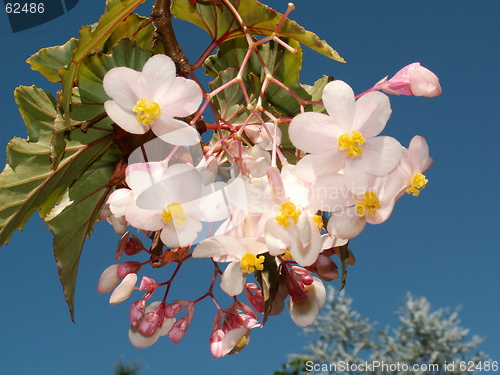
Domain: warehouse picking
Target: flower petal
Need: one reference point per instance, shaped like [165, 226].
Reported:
[124, 119]
[310, 167]
[313, 132]
[372, 113]
[346, 224]
[175, 131]
[339, 100]
[158, 75]
[217, 246]
[183, 99]
[380, 155]
[233, 279]
[123, 85]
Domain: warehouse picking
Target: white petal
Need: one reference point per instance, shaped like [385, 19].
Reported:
[144, 219]
[183, 99]
[108, 280]
[233, 279]
[276, 236]
[124, 290]
[140, 340]
[310, 167]
[346, 224]
[303, 313]
[313, 132]
[123, 85]
[310, 242]
[339, 102]
[232, 338]
[119, 200]
[158, 75]
[124, 119]
[217, 246]
[175, 131]
[380, 155]
[419, 153]
[372, 112]
[180, 235]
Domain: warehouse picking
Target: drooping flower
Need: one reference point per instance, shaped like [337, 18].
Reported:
[346, 139]
[305, 311]
[414, 80]
[244, 254]
[151, 99]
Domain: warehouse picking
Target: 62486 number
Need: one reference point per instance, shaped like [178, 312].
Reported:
[17, 8]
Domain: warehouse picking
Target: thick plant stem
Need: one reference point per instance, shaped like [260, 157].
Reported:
[163, 20]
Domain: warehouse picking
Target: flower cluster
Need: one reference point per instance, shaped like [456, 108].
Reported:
[269, 224]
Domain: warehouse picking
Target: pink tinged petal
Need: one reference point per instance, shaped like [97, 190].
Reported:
[313, 132]
[232, 338]
[423, 82]
[328, 241]
[212, 206]
[372, 113]
[108, 280]
[141, 341]
[175, 131]
[346, 224]
[123, 85]
[252, 246]
[317, 291]
[233, 279]
[310, 167]
[419, 153]
[158, 75]
[140, 176]
[183, 98]
[124, 290]
[127, 120]
[382, 213]
[355, 179]
[380, 155]
[277, 237]
[339, 102]
[310, 238]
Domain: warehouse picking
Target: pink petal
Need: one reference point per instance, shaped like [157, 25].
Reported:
[380, 155]
[310, 167]
[423, 82]
[124, 86]
[217, 246]
[419, 153]
[346, 224]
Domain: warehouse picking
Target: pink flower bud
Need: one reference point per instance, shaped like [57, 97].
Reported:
[108, 280]
[147, 284]
[124, 290]
[136, 310]
[325, 268]
[180, 327]
[134, 246]
[303, 274]
[414, 80]
[150, 322]
[128, 267]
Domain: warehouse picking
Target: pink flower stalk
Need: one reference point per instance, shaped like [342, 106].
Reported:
[414, 80]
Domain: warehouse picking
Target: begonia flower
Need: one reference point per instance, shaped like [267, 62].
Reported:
[350, 211]
[346, 138]
[414, 163]
[151, 99]
[414, 80]
[150, 326]
[244, 254]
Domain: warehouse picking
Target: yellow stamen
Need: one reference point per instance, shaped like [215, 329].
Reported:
[418, 183]
[348, 143]
[174, 212]
[249, 263]
[288, 211]
[319, 221]
[147, 112]
[287, 255]
[370, 204]
[242, 343]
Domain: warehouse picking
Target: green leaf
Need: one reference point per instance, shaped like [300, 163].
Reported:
[91, 40]
[28, 181]
[268, 279]
[80, 207]
[221, 25]
[48, 61]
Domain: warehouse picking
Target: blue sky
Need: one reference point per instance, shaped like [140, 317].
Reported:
[440, 245]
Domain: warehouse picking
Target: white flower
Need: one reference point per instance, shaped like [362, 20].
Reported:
[346, 138]
[151, 99]
[305, 312]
